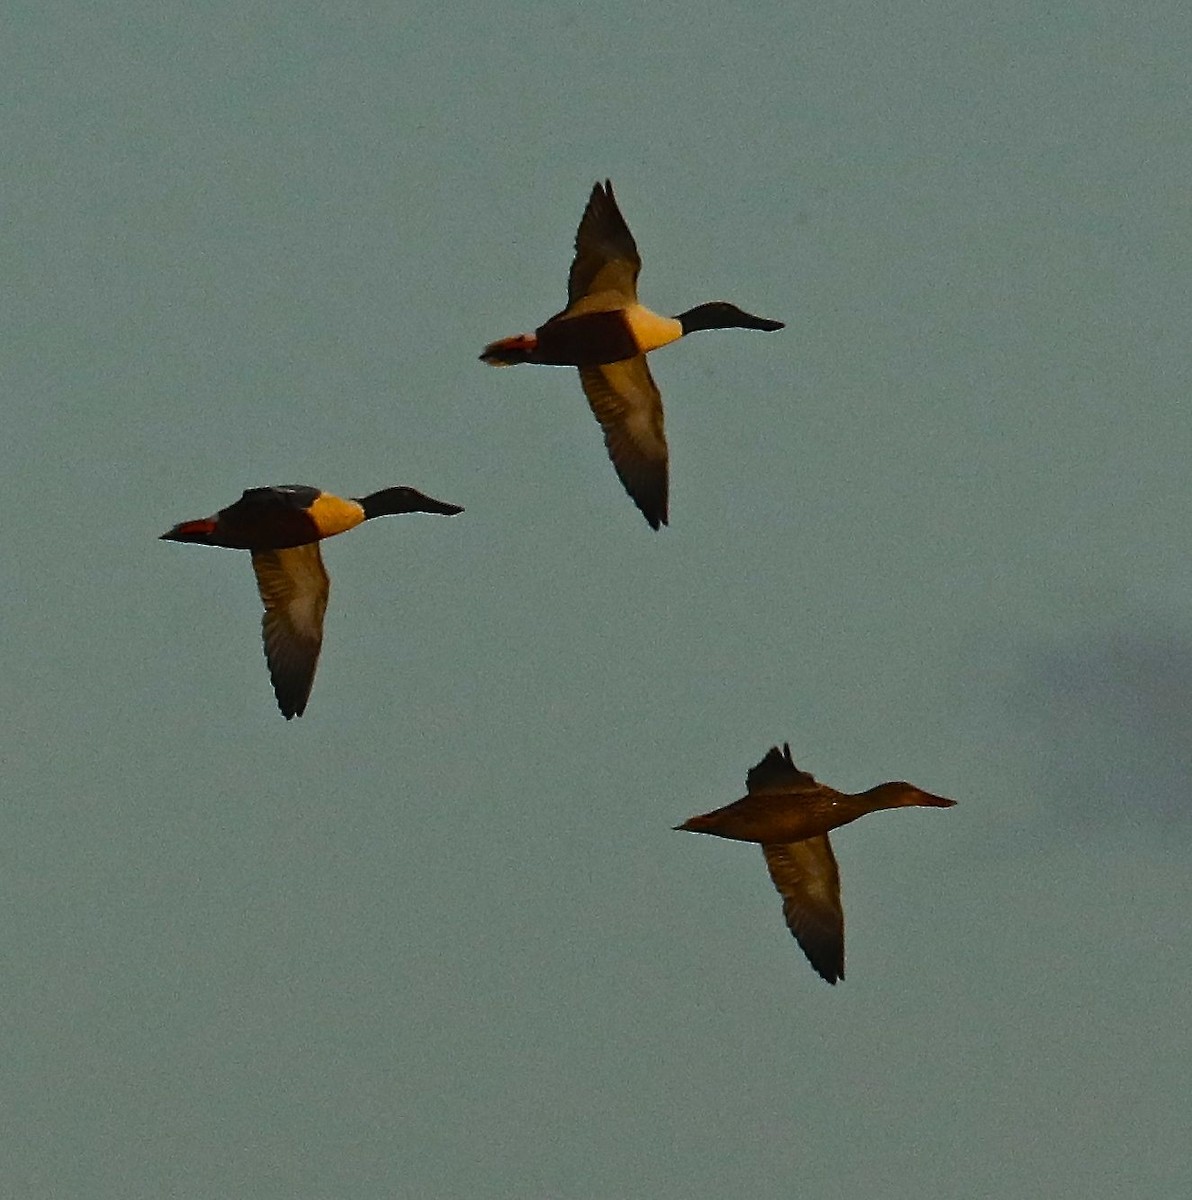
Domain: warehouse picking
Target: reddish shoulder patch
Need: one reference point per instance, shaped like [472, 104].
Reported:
[510, 350]
[203, 527]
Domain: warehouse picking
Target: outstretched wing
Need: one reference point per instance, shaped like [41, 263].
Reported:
[628, 406]
[778, 773]
[294, 588]
[806, 876]
[606, 258]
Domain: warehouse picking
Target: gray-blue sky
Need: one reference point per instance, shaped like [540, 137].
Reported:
[1109, 715]
[437, 939]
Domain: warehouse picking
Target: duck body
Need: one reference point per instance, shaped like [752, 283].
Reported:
[789, 814]
[773, 818]
[606, 333]
[273, 518]
[281, 527]
[590, 337]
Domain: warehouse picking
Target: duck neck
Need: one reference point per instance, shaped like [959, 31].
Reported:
[385, 503]
[704, 316]
[902, 795]
[394, 500]
[719, 314]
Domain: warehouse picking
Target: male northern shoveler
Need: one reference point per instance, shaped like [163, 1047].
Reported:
[282, 526]
[790, 814]
[607, 334]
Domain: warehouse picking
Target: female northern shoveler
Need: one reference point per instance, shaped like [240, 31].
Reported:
[282, 526]
[790, 814]
[607, 334]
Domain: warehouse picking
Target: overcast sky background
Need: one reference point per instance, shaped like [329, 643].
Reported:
[437, 938]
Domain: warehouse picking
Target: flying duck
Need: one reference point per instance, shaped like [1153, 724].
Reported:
[607, 334]
[790, 814]
[282, 526]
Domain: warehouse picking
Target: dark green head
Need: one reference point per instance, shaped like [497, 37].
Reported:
[719, 314]
[394, 500]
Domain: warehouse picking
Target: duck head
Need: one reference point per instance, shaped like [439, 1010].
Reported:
[900, 794]
[394, 500]
[719, 314]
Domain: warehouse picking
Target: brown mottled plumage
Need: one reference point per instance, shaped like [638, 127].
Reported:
[789, 813]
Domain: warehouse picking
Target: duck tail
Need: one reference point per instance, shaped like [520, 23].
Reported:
[201, 531]
[703, 824]
[510, 351]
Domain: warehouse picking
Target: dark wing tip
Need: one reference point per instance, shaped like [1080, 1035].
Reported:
[292, 700]
[823, 950]
[777, 769]
[292, 693]
[655, 517]
[602, 208]
[773, 764]
[649, 497]
[827, 958]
